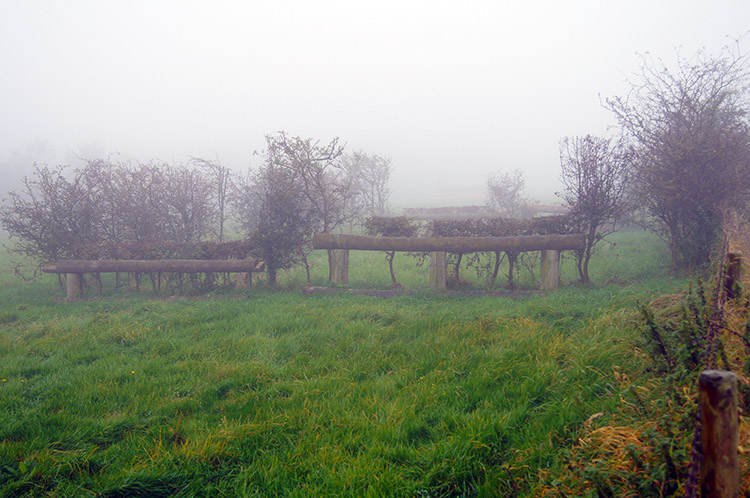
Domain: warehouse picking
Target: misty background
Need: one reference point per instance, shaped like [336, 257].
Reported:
[449, 92]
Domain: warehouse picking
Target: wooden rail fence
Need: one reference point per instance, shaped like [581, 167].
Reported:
[549, 245]
[74, 269]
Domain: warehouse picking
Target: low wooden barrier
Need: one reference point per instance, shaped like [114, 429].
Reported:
[549, 245]
[75, 268]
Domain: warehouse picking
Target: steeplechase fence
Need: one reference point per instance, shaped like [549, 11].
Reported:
[75, 269]
[550, 247]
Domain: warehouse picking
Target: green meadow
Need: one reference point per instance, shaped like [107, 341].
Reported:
[277, 393]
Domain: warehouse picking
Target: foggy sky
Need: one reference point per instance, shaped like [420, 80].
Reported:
[450, 91]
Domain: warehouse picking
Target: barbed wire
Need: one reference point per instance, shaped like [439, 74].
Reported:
[709, 361]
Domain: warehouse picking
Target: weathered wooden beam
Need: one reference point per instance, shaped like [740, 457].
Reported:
[155, 265]
[450, 244]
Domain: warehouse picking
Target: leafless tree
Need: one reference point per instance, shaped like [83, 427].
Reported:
[274, 214]
[221, 178]
[187, 195]
[505, 193]
[143, 211]
[594, 176]
[370, 175]
[104, 181]
[690, 135]
[318, 171]
[244, 202]
[92, 211]
[51, 215]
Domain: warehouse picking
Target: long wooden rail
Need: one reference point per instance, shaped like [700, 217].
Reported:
[450, 244]
[75, 268]
[549, 245]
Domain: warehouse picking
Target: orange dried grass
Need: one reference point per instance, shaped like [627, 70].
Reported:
[736, 319]
[609, 444]
[612, 443]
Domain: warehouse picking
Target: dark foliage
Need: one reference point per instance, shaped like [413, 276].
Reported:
[53, 214]
[236, 249]
[690, 137]
[109, 205]
[283, 230]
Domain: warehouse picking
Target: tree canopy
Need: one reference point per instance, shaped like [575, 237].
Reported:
[690, 137]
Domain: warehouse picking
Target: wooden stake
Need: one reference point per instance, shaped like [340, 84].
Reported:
[549, 275]
[339, 266]
[243, 280]
[720, 469]
[734, 272]
[438, 271]
[74, 285]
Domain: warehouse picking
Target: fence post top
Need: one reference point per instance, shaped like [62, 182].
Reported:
[717, 374]
[717, 377]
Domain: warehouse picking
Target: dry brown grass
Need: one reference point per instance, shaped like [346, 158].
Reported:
[621, 446]
[737, 319]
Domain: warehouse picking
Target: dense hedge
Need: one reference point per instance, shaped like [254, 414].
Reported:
[404, 226]
[236, 249]
[501, 227]
[486, 265]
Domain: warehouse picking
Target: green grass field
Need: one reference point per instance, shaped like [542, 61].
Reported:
[275, 393]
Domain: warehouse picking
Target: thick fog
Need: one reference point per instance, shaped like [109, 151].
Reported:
[450, 91]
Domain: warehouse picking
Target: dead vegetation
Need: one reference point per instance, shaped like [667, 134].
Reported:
[647, 447]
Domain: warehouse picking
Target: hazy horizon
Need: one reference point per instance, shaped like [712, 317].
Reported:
[450, 93]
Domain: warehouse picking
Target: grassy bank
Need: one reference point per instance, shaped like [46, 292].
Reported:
[269, 393]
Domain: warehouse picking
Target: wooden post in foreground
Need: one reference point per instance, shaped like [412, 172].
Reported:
[438, 271]
[734, 272]
[549, 275]
[340, 266]
[720, 470]
[74, 284]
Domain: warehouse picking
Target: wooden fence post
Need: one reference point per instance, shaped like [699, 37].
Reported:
[438, 270]
[720, 469]
[243, 280]
[74, 284]
[340, 266]
[734, 272]
[549, 275]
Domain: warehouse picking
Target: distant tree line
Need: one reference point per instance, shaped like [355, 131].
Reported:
[682, 158]
[113, 209]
